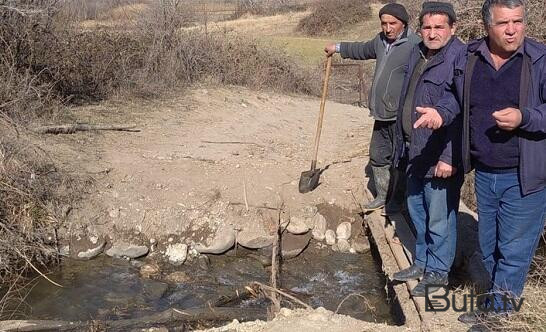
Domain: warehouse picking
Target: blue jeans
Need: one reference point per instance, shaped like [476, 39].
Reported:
[433, 204]
[509, 227]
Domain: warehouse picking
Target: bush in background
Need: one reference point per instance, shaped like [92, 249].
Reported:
[267, 7]
[44, 63]
[47, 62]
[81, 10]
[35, 197]
[330, 16]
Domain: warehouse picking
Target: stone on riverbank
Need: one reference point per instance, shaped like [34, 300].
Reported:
[360, 244]
[330, 236]
[343, 231]
[319, 229]
[176, 253]
[222, 242]
[123, 249]
[297, 226]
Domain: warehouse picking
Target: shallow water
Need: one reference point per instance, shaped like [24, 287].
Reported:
[106, 288]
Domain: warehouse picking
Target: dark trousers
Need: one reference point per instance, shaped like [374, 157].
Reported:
[382, 143]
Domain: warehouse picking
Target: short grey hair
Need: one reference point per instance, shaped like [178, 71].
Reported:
[486, 8]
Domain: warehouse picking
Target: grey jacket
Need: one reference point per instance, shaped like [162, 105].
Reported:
[389, 73]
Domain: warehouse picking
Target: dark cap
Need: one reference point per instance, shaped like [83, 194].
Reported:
[438, 7]
[396, 10]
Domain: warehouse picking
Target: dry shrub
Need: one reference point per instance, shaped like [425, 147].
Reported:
[34, 199]
[93, 64]
[330, 16]
[46, 63]
[70, 64]
[234, 60]
[81, 10]
[176, 57]
[267, 7]
[23, 93]
[468, 195]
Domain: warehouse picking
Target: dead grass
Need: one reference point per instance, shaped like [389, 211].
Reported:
[267, 7]
[48, 62]
[35, 197]
[330, 16]
[468, 195]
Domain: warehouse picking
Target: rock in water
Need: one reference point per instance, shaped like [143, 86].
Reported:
[360, 244]
[222, 242]
[254, 238]
[291, 246]
[297, 226]
[122, 249]
[330, 237]
[177, 253]
[343, 231]
[178, 277]
[319, 229]
[343, 245]
[148, 271]
[86, 247]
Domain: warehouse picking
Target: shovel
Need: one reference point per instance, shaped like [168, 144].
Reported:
[309, 179]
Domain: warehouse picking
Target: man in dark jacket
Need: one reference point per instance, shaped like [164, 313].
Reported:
[504, 139]
[432, 156]
[391, 49]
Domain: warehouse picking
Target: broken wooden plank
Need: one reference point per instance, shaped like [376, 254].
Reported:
[72, 128]
[404, 233]
[403, 263]
[390, 266]
[166, 317]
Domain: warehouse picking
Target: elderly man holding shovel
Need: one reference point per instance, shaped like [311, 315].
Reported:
[391, 49]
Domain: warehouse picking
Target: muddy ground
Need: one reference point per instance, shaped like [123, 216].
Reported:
[185, 174]
[188, 169]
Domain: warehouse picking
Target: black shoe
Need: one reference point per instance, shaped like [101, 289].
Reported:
[411, 273]
[472, 317]
[432, 281]
[480, 327]
[376, 204]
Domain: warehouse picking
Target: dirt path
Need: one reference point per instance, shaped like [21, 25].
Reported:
[184, 174]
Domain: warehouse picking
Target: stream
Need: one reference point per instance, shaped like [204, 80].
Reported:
[110, 289]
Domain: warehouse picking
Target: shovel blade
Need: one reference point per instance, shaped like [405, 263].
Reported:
[309, 180]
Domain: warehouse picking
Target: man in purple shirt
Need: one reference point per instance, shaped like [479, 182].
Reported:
[503, 93]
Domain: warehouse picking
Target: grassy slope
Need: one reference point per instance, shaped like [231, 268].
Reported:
[310, 50]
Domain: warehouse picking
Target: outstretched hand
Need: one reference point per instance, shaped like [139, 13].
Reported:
[430, 118]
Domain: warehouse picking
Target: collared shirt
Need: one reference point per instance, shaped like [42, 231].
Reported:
[486, 53]
[388, 44]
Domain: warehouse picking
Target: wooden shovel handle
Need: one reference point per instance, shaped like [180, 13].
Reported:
[321, 113]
